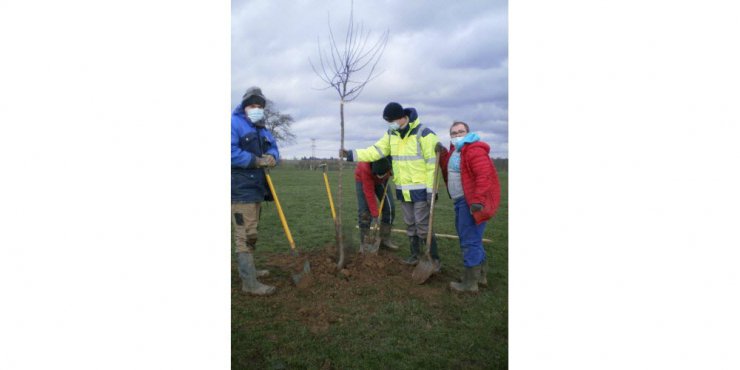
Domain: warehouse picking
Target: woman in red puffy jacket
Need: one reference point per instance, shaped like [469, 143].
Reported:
[472, 183]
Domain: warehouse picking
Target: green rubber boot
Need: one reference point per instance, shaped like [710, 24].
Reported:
[413, 259]
[248, 274]
[469, 283]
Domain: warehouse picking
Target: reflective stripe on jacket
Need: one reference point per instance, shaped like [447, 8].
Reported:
[413, 158]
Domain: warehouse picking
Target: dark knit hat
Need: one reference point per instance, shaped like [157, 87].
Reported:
[253, 96]
[381, 166]
[393, 111]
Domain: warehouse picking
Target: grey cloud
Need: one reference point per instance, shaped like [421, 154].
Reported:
[449, 60]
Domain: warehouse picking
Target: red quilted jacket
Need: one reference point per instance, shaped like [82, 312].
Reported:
[479, 178]
[364, 174]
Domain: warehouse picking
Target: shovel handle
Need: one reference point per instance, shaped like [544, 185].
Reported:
[328, 192]
[280, 211]
[435, 187]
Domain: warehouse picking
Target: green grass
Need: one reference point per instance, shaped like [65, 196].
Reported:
[378, 328]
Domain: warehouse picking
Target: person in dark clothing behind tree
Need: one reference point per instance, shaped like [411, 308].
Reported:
[253, 149]
[370, 179]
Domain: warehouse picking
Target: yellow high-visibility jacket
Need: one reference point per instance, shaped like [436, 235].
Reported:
[413, 158]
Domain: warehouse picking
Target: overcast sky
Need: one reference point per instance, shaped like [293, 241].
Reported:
[449, 60]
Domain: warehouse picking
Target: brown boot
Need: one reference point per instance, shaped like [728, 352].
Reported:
[385, 237]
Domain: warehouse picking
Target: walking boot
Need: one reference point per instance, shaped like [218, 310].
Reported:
[248, 274]
[469, 283]
[385, 237]
[413, 259]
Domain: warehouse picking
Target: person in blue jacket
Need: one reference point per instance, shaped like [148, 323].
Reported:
[253, 148]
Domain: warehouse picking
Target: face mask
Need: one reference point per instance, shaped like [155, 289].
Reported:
[393, 126]
[456, 141]
[255, 114]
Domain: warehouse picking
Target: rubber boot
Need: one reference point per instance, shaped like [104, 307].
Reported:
[364, 232]
[249, 276]
[413, 259]
[433, 252]
[385, 237]
[482, 279]
[251, 246]
[470, 281]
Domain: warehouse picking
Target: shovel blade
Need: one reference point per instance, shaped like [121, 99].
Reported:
[423, 270]
[303, 276]
[372, 242]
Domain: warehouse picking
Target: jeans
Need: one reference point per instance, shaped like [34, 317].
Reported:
[471, 235]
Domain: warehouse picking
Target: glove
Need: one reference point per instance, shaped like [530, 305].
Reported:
[266, 161]
[476, 207]
[439, 148]
[343, 153]
[271, 162]
[374, 223]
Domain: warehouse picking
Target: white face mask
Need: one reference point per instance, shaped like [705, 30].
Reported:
[395, 125]
[255, 114]
[456, 141]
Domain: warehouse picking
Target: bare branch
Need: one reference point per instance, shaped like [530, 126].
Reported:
[339, 69]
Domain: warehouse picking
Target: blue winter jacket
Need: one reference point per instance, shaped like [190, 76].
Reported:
[248, 182]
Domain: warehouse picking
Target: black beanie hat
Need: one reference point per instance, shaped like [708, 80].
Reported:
[381, 166]
[393, 111]
[253, 95]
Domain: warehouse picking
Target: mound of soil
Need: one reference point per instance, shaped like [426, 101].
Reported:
[365, 279]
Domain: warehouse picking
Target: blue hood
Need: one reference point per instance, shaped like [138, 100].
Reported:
[239, 112]
[411, 112]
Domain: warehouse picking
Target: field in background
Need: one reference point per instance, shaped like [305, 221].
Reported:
[375, 318]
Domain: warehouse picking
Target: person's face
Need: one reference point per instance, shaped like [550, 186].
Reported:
[251, 106]
[458, 131]
[402, 121]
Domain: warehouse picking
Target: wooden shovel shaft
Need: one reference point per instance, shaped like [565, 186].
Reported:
[435, 186]
[280, 211]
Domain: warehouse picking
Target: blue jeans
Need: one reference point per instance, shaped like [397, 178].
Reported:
[363, 211]
[471, 235]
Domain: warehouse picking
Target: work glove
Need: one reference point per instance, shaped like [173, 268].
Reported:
[475, 207]
[439, 148]
[343, 153]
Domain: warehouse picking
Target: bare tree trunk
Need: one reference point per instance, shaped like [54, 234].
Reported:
[338, 223]
[337, 66]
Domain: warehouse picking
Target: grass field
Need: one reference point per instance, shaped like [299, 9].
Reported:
[384, 321]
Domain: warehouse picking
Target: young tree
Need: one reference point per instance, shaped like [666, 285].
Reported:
[278, 123]
[347, 69]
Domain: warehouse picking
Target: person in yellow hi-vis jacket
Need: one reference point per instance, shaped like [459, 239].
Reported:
[412, 146]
